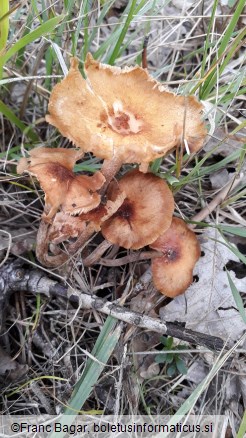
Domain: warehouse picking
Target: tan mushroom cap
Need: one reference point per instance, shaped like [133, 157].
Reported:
[73, 193]
[172, 273]
[65, 157]
[123, 113]
[145, 213]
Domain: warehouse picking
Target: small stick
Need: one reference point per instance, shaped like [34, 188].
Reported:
[131, 258]
[14, 277]
[144, 53]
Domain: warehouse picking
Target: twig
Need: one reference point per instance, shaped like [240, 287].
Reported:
[14, 277]
[136, 257]
[144, 52]
[38, 60]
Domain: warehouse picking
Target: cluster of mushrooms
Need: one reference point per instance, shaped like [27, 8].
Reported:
[121, 116]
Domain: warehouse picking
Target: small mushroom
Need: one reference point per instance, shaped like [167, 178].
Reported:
[53, 168]
[145, 213]
[172, 272]
[123, 115]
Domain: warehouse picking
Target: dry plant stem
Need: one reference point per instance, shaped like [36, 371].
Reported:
[131, 258]
[144, 53]
[82, 239]
[31, 82]
[218, 199]
[43, 247]
[109, 169]
[97, 253]
[17, 278]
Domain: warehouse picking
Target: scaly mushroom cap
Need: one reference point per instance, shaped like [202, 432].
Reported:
[172, 273]
[123, 113]
[73, 193]
[145, 213]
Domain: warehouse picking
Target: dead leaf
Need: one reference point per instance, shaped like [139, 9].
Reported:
[196, 372]
[219, 179]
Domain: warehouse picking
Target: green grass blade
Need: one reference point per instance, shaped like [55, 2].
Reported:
[86, 29]
[233, 249]
[42, 30]
[192, 399]
[36, 11]
[105, 51]
[103, 13]
[69, 5]
[237, 43]
[4, 23]
[239, 194]
[242, 429]
[237, 297]
[231, 27]
[78, 29]
[106, 343]
[236, 231]
[6, 111]
[208, 38]
[199, 170]
[123, 33]
[223, 47]
[238, 128]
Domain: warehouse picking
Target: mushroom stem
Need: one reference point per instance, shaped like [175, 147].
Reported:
[42, 248]
[109, 169]
[97, 253]
[82, 239]
[136, 257]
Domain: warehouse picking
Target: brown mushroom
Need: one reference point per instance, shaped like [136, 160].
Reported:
[145, 213]
[73, 193]
[65, 157]
[123, 115]
[172, 272]
[65, 226]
